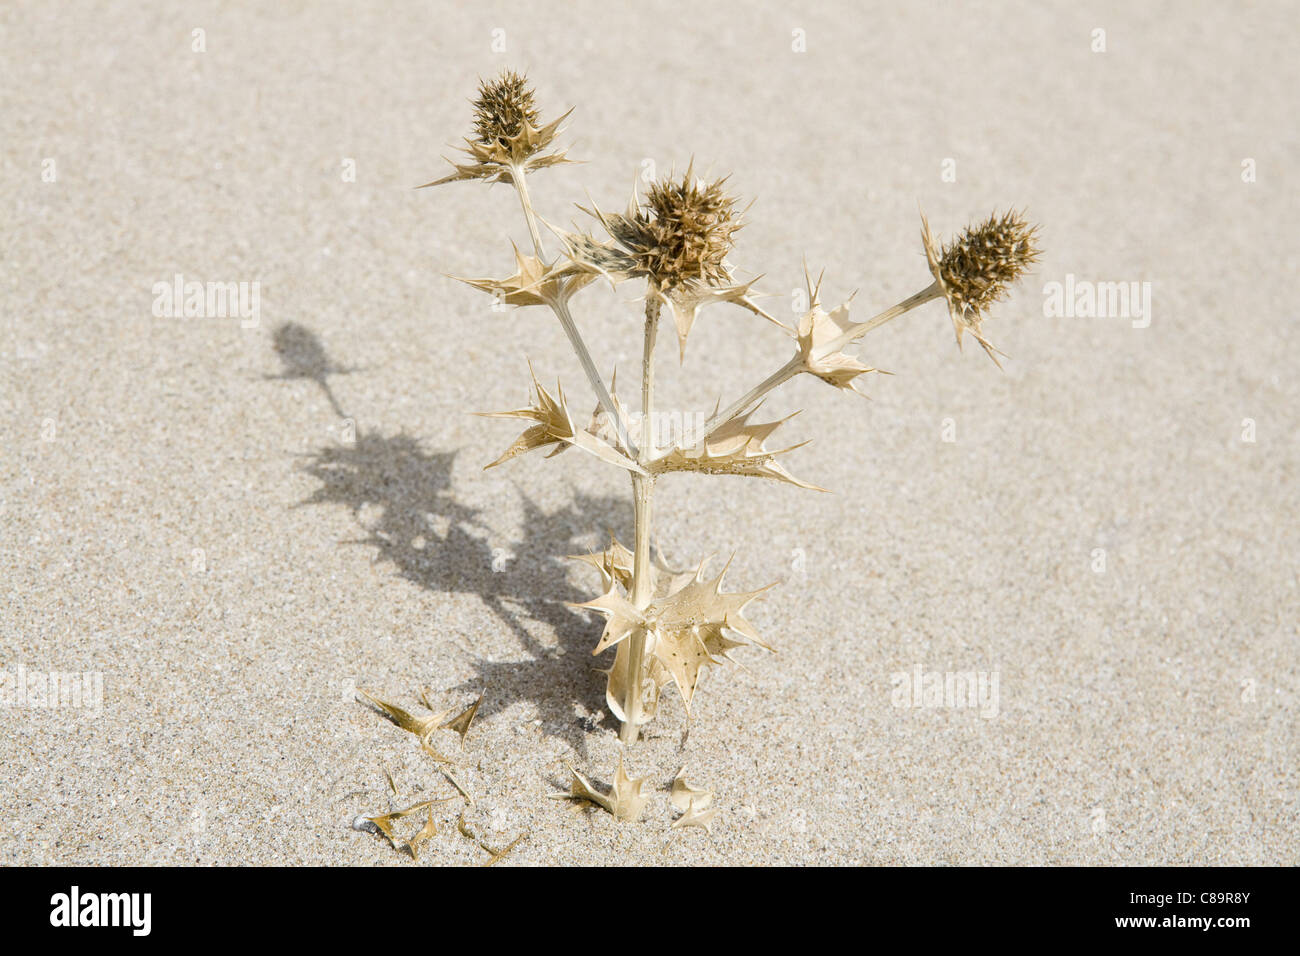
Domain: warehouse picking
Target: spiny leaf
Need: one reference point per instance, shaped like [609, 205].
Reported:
[689, 629]
[617, 560]
[694, 803]
[622, 619]
[384, 822]
[736, 448]
[696, 816]
[460, 723]
[624, 801]
[684, 795]
[534, 282]
[426, 831]
[422, 727]
[819, 331]
[685, 631]
[555, 429]
[686, 301]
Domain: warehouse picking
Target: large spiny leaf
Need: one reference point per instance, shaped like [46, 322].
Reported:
[738, 447]
[555, 429]
[624, 802]
[618, 561]
[822, 338]
[689, 630]
[534, 283]
[694, 627]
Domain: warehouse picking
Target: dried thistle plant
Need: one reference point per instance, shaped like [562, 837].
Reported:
[667, 626]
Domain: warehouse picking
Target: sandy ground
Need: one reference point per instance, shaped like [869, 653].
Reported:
[188, 513]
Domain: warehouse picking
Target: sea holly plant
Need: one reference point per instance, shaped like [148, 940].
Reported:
[666, 625]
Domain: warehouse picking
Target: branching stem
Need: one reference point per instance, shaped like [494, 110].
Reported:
[932, 291]
[642, 496]
[793, 367]
[560, 306]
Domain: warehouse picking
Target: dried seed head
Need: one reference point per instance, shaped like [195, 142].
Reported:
[508, 139]
[503, 106]
[976, 268]
[679, 237]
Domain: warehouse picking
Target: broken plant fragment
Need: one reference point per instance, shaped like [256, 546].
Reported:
[426, 831]
[495, 856]
[422, 727]
[624, 801]
[684, 795]
[460, 723]
[384, 824]
[695, 804]
[697, 817]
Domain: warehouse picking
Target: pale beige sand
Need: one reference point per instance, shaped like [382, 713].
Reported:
[1147, 713]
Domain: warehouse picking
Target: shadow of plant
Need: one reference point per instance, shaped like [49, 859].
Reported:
[402, 496]
[303, 356]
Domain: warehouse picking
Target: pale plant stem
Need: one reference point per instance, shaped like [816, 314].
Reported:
[560, 306]
[932, 291]
[561, 309]
[782, 375]
[793, 367]
[520, 179]
[642, 509]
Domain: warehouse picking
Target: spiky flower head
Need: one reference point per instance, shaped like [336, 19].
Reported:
[502, 108]
[976, 268]
[678, 239]
[681, 235]
[508, 137]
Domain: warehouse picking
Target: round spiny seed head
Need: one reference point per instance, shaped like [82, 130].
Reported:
[983, 260]
[975, 269]
[507, 139]
[503, 106]
[680, 235]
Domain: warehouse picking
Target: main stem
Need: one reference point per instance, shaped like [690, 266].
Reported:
[642, 497]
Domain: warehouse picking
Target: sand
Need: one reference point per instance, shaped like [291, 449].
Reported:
[237, 537]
